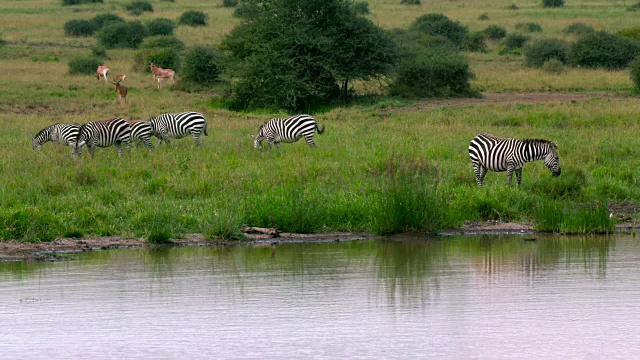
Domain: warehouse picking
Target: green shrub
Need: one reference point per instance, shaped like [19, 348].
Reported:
[483, 17]
[162, 41]
[229, 3]
[361, 8]
[84, 65]
[632, 33]
[553, 66]
[553, 3]
[537, 53]
[79, 2]
[79, 28]
[159, 237]
[431, 72]
[475, 41]
[193, 18]
[439, 24]
[634, 69]
[578, 29]
[102, 20]
[495, 32]
[200, 65]
[410, 2]
[515, 41]
[167, 58]
[601, 49]
[161, 26]
[529, 27]
[122, 35]
[634, 7]
[99, 51]
[512, 7]
[138, 7]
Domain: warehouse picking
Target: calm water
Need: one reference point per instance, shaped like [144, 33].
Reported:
[483, 297]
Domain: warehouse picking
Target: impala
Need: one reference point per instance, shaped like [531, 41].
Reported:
[122, 92]
[159, 74]
[103, 71]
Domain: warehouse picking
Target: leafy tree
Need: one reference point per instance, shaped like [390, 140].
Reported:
[439, 24]
[601, 49]
[537, 53]
[200, 65]
[297, 64]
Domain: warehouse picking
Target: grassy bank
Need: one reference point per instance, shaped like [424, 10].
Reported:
[386, 167]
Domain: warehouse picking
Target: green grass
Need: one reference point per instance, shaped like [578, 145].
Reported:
[383, 165]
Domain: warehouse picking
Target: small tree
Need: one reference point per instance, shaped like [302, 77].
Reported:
[79, 28]
[495, 32]
[601, 49]
[122, 35]
[439, 24]
[552, 3]
[475, 41]
[539, 52]
[162, 50]
[229, 3]
[101, 20]
[634, 70]
[578, 29]
[529, 27]
[193, 18]
[200, 65]
[515, 41]
[84, 65]
[161, 26]
[138, 7]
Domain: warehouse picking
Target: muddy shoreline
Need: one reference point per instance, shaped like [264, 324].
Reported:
[54, 250]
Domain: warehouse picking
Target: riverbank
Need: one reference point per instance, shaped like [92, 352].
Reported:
[53, 251]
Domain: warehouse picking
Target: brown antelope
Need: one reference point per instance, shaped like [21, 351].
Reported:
[122, 92]
[159, 74]
[121, 77]
[103, 71]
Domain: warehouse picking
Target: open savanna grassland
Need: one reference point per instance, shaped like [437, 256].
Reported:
[382, 167]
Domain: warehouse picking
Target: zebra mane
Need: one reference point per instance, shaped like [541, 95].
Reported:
[540, 141]
[45, 130]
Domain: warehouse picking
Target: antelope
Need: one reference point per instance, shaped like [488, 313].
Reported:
[159, 74]
[103, 71]
[122, 92]
[121, 77]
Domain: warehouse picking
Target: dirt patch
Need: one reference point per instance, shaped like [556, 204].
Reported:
[504, 99]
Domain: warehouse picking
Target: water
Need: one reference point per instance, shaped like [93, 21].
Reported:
[483, 297]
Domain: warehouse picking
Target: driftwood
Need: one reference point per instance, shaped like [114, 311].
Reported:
[267, 231]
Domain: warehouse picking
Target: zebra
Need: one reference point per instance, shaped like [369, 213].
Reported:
[141, 132]
[489, 152]
[66, 134]
[177, 126]
[104, 133]
[287, 130]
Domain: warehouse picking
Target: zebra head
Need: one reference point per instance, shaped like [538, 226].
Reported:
[551, 159]
[257, 139]
[83, 136]
[41, 137]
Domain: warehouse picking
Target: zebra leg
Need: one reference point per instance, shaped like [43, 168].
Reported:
[510, 174]
[92, 150]
[118, 148]
[310, 141]
[519, 176]
[196, 138]
[483, 173]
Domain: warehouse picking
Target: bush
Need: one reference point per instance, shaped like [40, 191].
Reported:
[138, 7]
[78, 2]
[483, 17]
[410, 2]
[193, 18]
[431, 72]
[162, 50]
[79, 28]
[539, 52]
[361, 8]
[634, 70]
[529, 27]
[162, 41]
[601, 49]
[553, 66]
[475, 41]
[634, 7]
[84, 65]
[553, 3]
[632, 33]
[200, 65]
[122, 35]
[99, 51]
[515, 41]
[229, 3]
[439, 24]
[161, 26]
[102, 20]
[495, 32]
[578, 29]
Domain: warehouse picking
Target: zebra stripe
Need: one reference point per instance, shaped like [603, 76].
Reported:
[178, 126]
[489, 152]
[288, 130]
[114, 131]
[141, 132]
[65, 134]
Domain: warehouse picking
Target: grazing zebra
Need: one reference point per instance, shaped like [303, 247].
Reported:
[104, 133]
[489, 152]
[178, 126]
[141, 132]
[287, 130]
[66, 134]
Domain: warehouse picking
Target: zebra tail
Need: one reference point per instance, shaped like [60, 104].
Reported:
[320, 131]
[205, 129]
